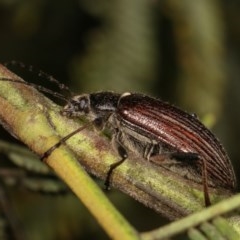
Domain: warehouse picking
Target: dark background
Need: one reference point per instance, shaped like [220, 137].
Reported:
[185, 52]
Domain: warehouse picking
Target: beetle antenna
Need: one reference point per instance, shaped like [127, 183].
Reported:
[40, 73]
[38, 87]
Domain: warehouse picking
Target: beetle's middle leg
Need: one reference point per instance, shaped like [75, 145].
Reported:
[116, 142]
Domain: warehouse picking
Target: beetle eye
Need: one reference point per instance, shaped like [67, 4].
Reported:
[77, 106]
[83, 104]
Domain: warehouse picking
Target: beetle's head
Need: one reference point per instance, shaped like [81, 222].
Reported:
[77, 106]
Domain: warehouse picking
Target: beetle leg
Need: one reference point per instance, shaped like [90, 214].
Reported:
[148, 151]
[99, 123]
[167, 157]
[181, 156]
[205, 184]
[192, 158]
[122, 153]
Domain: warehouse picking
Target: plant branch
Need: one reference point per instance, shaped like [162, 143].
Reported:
[33, 119]
[196, 219]
[36, 121]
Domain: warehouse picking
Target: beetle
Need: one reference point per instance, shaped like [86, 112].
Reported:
[159, 132]
[154, 130]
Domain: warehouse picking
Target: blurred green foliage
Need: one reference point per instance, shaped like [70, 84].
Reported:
[186, 52]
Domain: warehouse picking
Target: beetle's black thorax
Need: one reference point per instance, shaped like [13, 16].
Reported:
[104, 104]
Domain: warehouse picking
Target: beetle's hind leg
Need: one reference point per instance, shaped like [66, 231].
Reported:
[193, 158]
[185, 157]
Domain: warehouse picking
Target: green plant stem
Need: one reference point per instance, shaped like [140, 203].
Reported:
[36, 121]
[196, 219]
